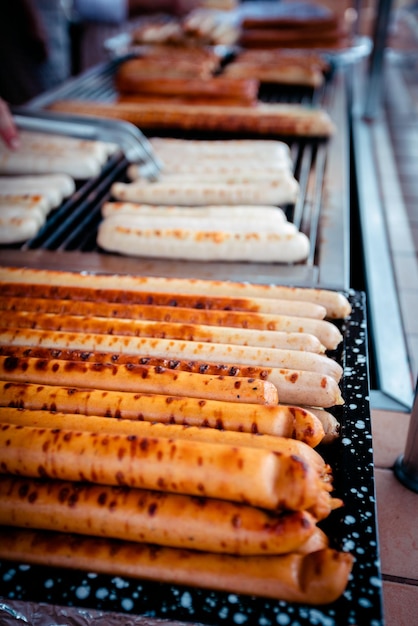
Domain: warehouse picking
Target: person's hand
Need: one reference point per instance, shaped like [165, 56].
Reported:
[8, 130]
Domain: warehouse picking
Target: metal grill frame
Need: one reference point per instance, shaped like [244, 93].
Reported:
[321, 212]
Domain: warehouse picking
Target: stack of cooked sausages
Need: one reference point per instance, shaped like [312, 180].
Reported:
[176, 78]
[164, 428]
[216, 200]
[37, 177]
[192, 88]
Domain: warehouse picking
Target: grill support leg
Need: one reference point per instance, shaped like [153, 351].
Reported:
[406, 465]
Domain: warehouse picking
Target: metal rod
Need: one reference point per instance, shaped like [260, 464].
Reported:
[406, 466]
[374, 88]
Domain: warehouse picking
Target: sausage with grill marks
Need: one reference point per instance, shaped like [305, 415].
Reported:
[235, 416]
[293, 360]
[335, 303]
[317, 578]
[260, 478]
[215, 317]
[92, 423]
[163, 329]
[138, 379]
[157, 298]
[153, 517]
[296, 333]
[193, 241]
[294, 387]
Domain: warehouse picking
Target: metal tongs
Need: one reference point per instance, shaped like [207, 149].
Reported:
[133, 143]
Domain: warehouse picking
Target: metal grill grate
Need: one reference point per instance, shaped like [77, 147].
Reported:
[74, 225]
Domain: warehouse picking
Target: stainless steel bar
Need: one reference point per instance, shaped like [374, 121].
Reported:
[383, 11]
[406, 466]
[48, 125]
[131, 140]
[321, 156]
[305, 170]
[393, 376]
[334, 229]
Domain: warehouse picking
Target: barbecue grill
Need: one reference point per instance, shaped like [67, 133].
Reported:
[321, 212]
[334, 208]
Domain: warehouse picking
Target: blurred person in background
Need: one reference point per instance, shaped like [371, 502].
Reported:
[23, 51]
[36, 48]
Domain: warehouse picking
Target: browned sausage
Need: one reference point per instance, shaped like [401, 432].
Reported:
[294, 360]
[241, 474]
[335, 303]
[138, 379]
[317, 578]
[140, 515]
[278, 420]
[93, 423]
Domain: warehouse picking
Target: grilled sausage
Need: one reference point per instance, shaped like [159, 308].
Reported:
[138, 379]
[243, 213]
[292, 360]
[336, 303]
[37, 203]
[92, 423]
[317, 578]
[253, 476]
[31, 160]
[235, 319]
[263, 151]
[168, 309]
[95, 294]
[276, 192]
[236, 416]
[152, 517]
[45, 154]
[16, 229]
[294, 387]
[241, 90]
[55, 186]
[261, 119]
[166, 330]
[127, 234]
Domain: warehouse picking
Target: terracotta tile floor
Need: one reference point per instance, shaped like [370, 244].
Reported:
[397, 514]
